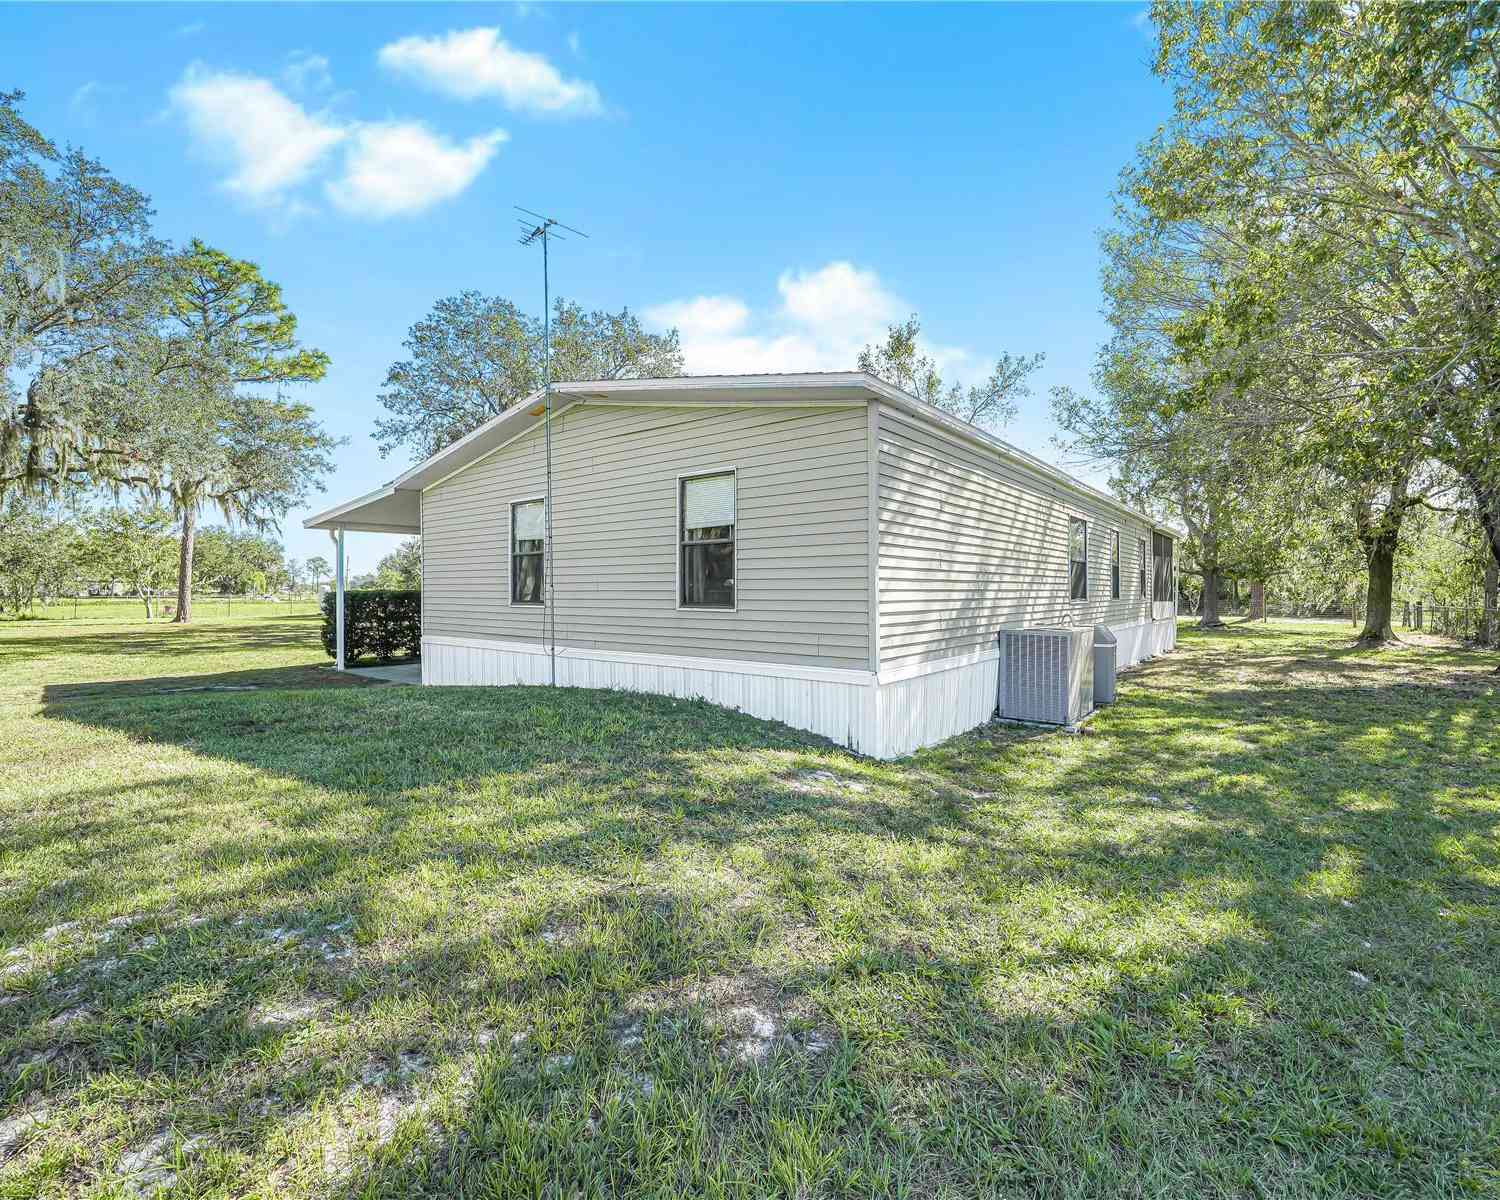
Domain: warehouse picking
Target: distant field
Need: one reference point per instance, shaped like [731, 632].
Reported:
[129, 609]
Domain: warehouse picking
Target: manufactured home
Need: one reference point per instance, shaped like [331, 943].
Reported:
[823, 550]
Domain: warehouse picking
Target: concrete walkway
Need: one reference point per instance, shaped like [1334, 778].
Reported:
[398, 673]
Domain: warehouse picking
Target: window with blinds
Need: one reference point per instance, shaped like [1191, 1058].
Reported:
[1078, 558]
[528, 520]
[706, 535]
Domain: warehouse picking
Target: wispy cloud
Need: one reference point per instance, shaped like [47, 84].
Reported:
[477, 64]
[191, 29]
[268, 142]
[821, 320]
[399, 168]
[307, 72]
[86, 98]
[274, 150]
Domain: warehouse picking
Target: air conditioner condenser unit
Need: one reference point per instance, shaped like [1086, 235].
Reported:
[1047, 674]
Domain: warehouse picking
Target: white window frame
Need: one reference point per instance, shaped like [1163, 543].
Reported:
[1072, 599]
[715, 609]
[510, 554]
[1116, 566]
[1143, 547]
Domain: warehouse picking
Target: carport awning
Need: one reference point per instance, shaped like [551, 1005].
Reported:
[387, 510]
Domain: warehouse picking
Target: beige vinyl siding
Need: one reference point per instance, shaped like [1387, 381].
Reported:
[801, 557]
[970, 542]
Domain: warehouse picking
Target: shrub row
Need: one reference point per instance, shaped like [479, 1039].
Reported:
[380, 623]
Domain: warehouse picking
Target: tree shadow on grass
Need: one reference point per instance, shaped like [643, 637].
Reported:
[371, 772]
[78, 698]
[560, 774]
[1247, 1065]
[1114, 963]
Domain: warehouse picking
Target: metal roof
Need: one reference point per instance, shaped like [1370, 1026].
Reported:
[395, 508]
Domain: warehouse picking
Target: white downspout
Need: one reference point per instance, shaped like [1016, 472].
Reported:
[338, 601]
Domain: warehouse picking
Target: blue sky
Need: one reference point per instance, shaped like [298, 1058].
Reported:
[780, 181]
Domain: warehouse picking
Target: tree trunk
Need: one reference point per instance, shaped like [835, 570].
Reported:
[184, 612]
[1491, 634]
[1380, 556]
[1489, 519]
[1257, 600]
[1210, 618]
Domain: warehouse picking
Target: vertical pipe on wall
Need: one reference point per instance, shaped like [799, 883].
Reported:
[338, 599]
[549, 612]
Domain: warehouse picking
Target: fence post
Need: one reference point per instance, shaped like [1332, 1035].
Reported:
[1419, 616]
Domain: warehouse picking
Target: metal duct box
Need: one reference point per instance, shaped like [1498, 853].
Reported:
[1047, 675]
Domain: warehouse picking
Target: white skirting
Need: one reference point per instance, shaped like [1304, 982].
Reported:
[883, 716]
[834, 703]
[1143, 640]
[931, 702]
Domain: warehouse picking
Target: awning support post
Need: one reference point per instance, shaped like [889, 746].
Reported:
[338, 599]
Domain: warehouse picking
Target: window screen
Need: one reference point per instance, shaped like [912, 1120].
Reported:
[1078, 559]
[707, 541]
[527, 539]
[1161, 547]
[1140, 550]
[1114, 564]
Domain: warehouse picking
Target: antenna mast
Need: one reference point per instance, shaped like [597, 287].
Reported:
[544, 229]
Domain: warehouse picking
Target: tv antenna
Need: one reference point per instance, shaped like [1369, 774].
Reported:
[537, 228]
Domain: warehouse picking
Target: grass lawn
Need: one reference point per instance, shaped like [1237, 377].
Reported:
[206, 607]
[274, 933]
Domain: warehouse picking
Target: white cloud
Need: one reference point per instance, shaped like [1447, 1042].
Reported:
[824, 318]
[269, 142]
[473, 64]
[273, 147]
[397, 168]
[87, 97]
[306, 71]
[191, 29]
[702, 316]
[839, 297]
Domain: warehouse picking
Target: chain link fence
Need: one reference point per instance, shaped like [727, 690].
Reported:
[164, 608]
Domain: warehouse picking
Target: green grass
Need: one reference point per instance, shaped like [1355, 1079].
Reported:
[118, 609]
[1242, 938]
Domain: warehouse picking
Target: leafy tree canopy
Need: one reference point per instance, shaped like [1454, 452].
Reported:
[899, 360]
[401, 568]
[1346, 155]
[230, 561]
[79, 276]
[192, 420]
[133, 545]
[473, 356]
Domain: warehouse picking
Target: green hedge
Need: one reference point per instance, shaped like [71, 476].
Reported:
[381, 623]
